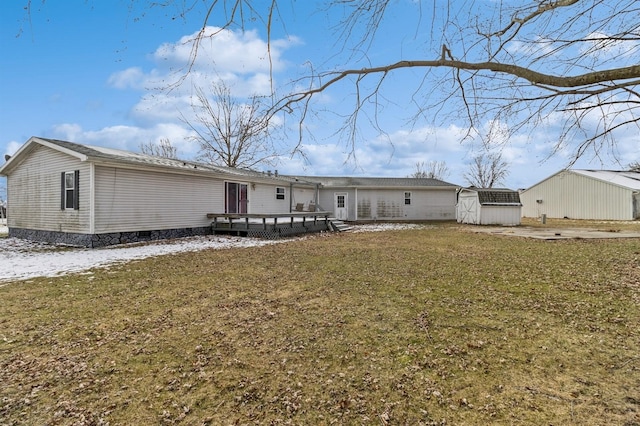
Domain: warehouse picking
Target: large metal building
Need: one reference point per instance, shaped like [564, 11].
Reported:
[585, 194]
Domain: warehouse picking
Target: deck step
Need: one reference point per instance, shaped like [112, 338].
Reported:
[338, 225]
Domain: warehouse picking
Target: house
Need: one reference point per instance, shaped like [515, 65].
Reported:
[362, 199]
[488, 206]
[81, 195]
[585, 194]
[64, 192]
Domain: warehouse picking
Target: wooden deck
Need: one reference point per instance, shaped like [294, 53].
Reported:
[270, 226]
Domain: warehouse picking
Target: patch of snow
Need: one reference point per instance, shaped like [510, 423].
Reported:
[21, 259]
[376, 227]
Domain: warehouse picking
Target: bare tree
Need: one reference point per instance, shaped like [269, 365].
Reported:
[432, 170]
[229, 132]
[573, 60]
[487, 171]
[161, 149]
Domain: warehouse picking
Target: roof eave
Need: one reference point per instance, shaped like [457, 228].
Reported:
[28, 146]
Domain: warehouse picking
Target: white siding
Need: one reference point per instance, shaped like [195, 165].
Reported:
[469, 210]
[262, 199]
[134, 200]
[34, 192]
[500, 215]
[389, 204]
[575, 196]
[304, 196]
[326, 200]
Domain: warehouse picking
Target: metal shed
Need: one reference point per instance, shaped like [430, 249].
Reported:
[488, 206]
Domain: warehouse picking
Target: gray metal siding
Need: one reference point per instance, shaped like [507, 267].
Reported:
[33, 193]
[134, 200]
[574, 196]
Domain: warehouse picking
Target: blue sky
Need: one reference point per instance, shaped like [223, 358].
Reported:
[90, 71]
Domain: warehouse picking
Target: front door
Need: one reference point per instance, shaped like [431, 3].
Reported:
[235, 198]
[340, 206]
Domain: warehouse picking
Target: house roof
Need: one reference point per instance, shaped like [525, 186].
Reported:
[496, 196]
[379, 182]
[100, 154]
[116, 156]
[626, 179]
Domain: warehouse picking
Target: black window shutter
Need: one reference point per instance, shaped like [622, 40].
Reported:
[63, 195]
[76, 190]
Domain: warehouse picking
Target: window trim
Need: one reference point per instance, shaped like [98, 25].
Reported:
[72, 202]
[281, 192]
[407, 198]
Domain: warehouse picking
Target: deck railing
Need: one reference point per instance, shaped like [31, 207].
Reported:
[270, 225]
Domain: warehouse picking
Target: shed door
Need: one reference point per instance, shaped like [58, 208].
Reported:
[340, 205]
[468, 210]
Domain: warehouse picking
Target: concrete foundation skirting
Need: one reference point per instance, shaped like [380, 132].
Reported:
[103, 240]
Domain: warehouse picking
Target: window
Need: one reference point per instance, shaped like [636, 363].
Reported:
[70, 190]
[279, 193]
[407, 198]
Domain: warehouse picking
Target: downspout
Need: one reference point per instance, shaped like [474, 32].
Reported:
[356, 206]
[290, 196]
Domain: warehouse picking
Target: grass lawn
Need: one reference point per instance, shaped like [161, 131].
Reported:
[430, 326]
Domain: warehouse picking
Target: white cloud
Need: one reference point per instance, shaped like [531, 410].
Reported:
[225, 50]
[604, 45]
[539, 47]
[394, 155]
[131, 78]
[129, 137]
[242, 59]
[11, 148]
[161, 107]
[239, 59]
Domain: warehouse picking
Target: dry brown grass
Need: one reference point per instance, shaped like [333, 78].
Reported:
[603, 225]
[427, 326]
